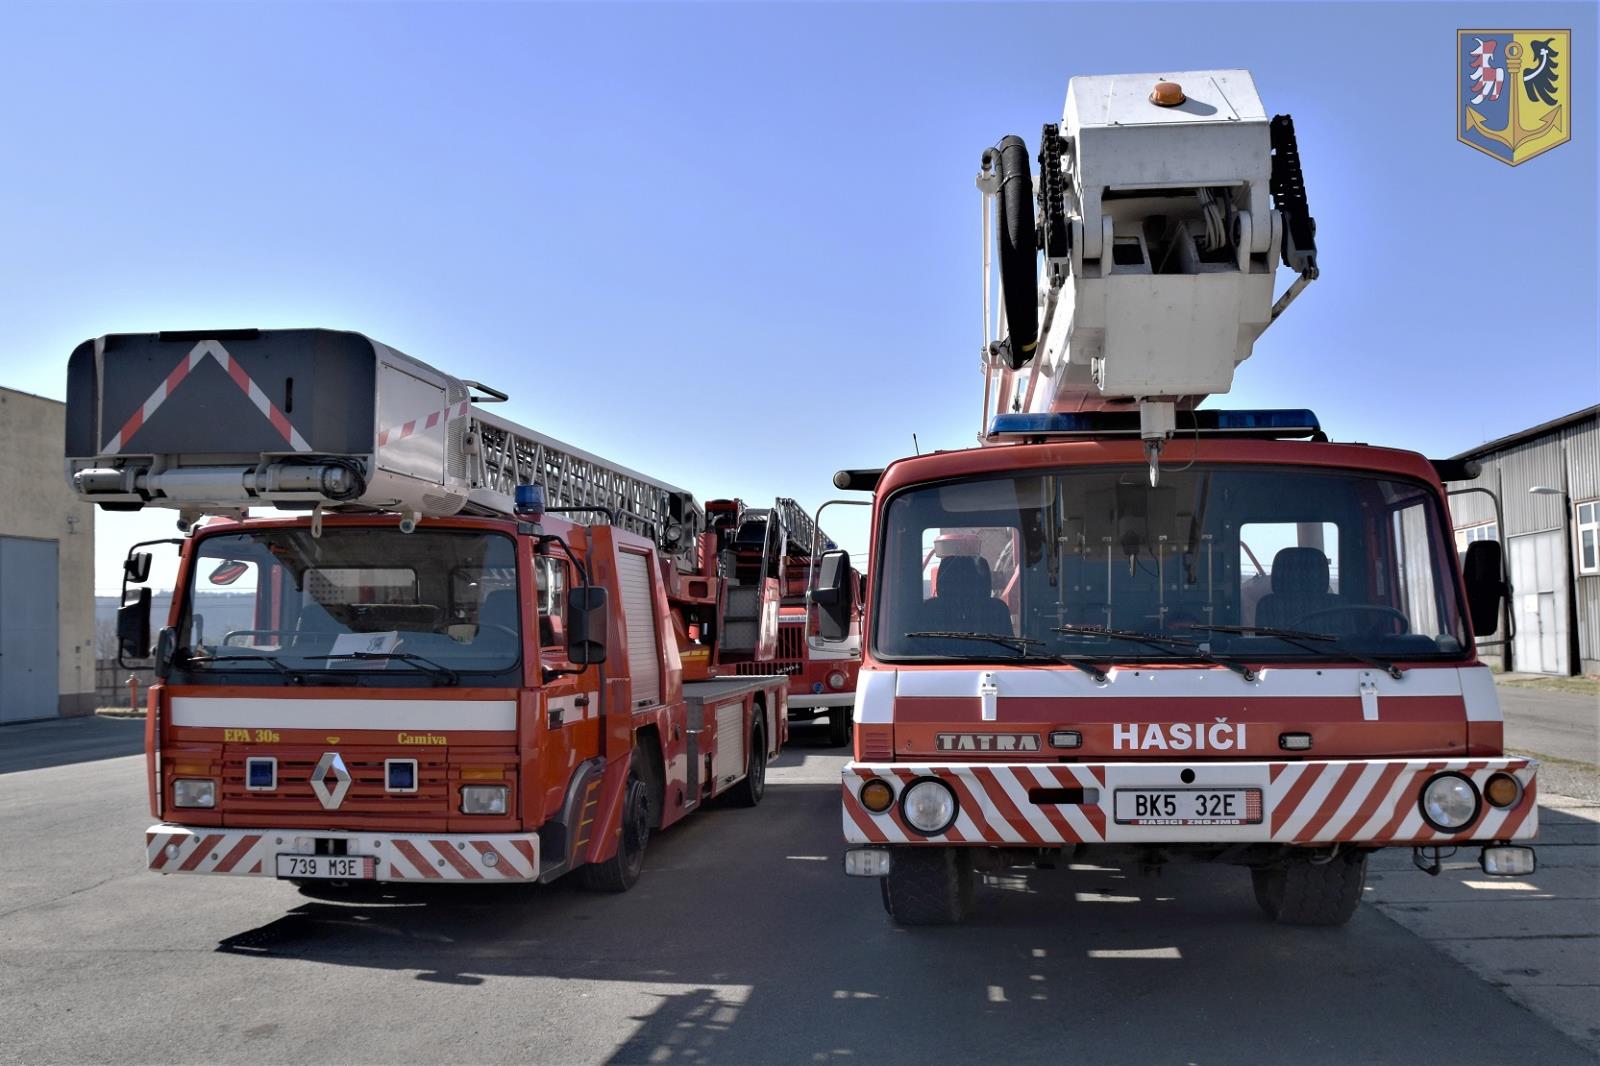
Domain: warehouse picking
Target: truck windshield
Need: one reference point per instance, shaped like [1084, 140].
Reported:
[1349, 564]
[373, 602]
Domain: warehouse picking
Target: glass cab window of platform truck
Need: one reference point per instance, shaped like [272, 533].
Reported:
[354, 605]
[1253, 561]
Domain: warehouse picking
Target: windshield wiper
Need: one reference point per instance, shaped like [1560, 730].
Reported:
[1085, 663]
[1160, 640]
[1021, 644]
[428, 666]
[1310, 641]
[269, 660]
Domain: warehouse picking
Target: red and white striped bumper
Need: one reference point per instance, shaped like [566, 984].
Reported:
[177, 849]
[1359, 801]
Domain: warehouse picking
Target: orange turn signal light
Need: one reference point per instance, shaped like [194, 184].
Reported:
[1167, 94]
[1501, 790]
[483, 773]
[877, 796]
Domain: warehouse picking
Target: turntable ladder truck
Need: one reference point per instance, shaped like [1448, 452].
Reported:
[822, 675]
[1135, 630]
[451, 648]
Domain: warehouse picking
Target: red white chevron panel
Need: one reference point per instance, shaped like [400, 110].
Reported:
[1353, 801]
[173, 849]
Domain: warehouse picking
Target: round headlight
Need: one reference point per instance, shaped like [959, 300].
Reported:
[836, 679]
[1449, 802]
[928, 806]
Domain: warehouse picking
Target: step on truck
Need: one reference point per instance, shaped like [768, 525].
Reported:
[444, 647]
[1142, 632]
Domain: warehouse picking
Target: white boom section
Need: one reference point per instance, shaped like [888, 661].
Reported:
[1165, 277]
[376, 430]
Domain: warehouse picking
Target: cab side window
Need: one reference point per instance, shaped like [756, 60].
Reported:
[552, 577]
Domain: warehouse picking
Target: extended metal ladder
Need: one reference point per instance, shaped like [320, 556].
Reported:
[500, 455]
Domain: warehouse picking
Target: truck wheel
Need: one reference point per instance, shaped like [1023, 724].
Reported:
[839, 727]
[618, 873]
[1300, 892]
[929, 886]
[750, 789]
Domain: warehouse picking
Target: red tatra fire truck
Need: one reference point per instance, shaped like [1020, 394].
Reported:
[476, 654]
[1132, 628]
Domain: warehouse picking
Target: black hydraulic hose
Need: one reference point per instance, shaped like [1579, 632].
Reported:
[1019, 247]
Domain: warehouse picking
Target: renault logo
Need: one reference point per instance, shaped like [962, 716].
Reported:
[330, 765]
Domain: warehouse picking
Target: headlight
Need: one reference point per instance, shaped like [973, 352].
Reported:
[836, 680]
[928, 806]
[1449, 802]
[483, 799]
[193, 792]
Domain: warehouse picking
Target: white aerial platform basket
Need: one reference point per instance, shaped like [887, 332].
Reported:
[1162, 219]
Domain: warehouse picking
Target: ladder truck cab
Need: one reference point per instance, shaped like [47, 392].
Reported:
[1135, 630]
[450, 648]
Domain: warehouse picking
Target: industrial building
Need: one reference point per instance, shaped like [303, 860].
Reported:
[47, 656]
[1548, 481]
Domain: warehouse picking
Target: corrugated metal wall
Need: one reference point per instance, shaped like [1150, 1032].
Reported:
[1567, 457]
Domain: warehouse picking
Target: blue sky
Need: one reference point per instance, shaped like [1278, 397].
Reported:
[736, 246]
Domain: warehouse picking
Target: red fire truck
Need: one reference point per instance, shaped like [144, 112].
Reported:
[1133, 628]
[822, 676]
[475, 654]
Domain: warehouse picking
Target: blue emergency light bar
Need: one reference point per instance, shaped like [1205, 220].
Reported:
[1285, 422]
[528, 501]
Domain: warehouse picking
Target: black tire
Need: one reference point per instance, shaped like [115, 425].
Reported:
[839, 727]
[929, 886]
[1300, 892]
[620, 872]
[753, 785]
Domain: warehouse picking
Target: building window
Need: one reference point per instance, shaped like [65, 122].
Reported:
[1589, 537]
[1482, 531]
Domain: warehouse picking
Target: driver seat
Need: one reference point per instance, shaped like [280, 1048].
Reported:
[1299, 588]
[965, 600]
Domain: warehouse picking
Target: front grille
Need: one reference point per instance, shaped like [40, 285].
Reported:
[790, 658]
[366, 802]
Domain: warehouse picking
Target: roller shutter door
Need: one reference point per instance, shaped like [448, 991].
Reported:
[638, 611]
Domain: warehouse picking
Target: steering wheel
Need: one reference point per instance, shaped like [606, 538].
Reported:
[1362, 608]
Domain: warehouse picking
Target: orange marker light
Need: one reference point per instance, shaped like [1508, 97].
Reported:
[1167, 94]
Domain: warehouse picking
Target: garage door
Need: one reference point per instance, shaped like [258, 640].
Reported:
[29, 657]
[1540, 602]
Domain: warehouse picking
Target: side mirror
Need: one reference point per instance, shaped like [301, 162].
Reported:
[834, 596]
[586, 625]
[133, 625]
[1486, 585]
[137, 567]
[166, 648]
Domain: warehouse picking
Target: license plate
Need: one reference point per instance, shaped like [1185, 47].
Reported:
[326, 867]
[1188, 806]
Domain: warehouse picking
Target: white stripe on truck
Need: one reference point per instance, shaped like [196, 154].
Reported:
[287, 713]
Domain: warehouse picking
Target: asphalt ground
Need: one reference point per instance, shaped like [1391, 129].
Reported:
[743, 943]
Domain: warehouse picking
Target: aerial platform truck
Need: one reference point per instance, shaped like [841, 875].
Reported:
[411, 640]
[1132, 628]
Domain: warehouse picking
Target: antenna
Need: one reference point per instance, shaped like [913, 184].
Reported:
[914, 445]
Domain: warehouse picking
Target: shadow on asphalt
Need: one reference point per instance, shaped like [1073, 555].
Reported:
[64, 741]
[756, 948]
